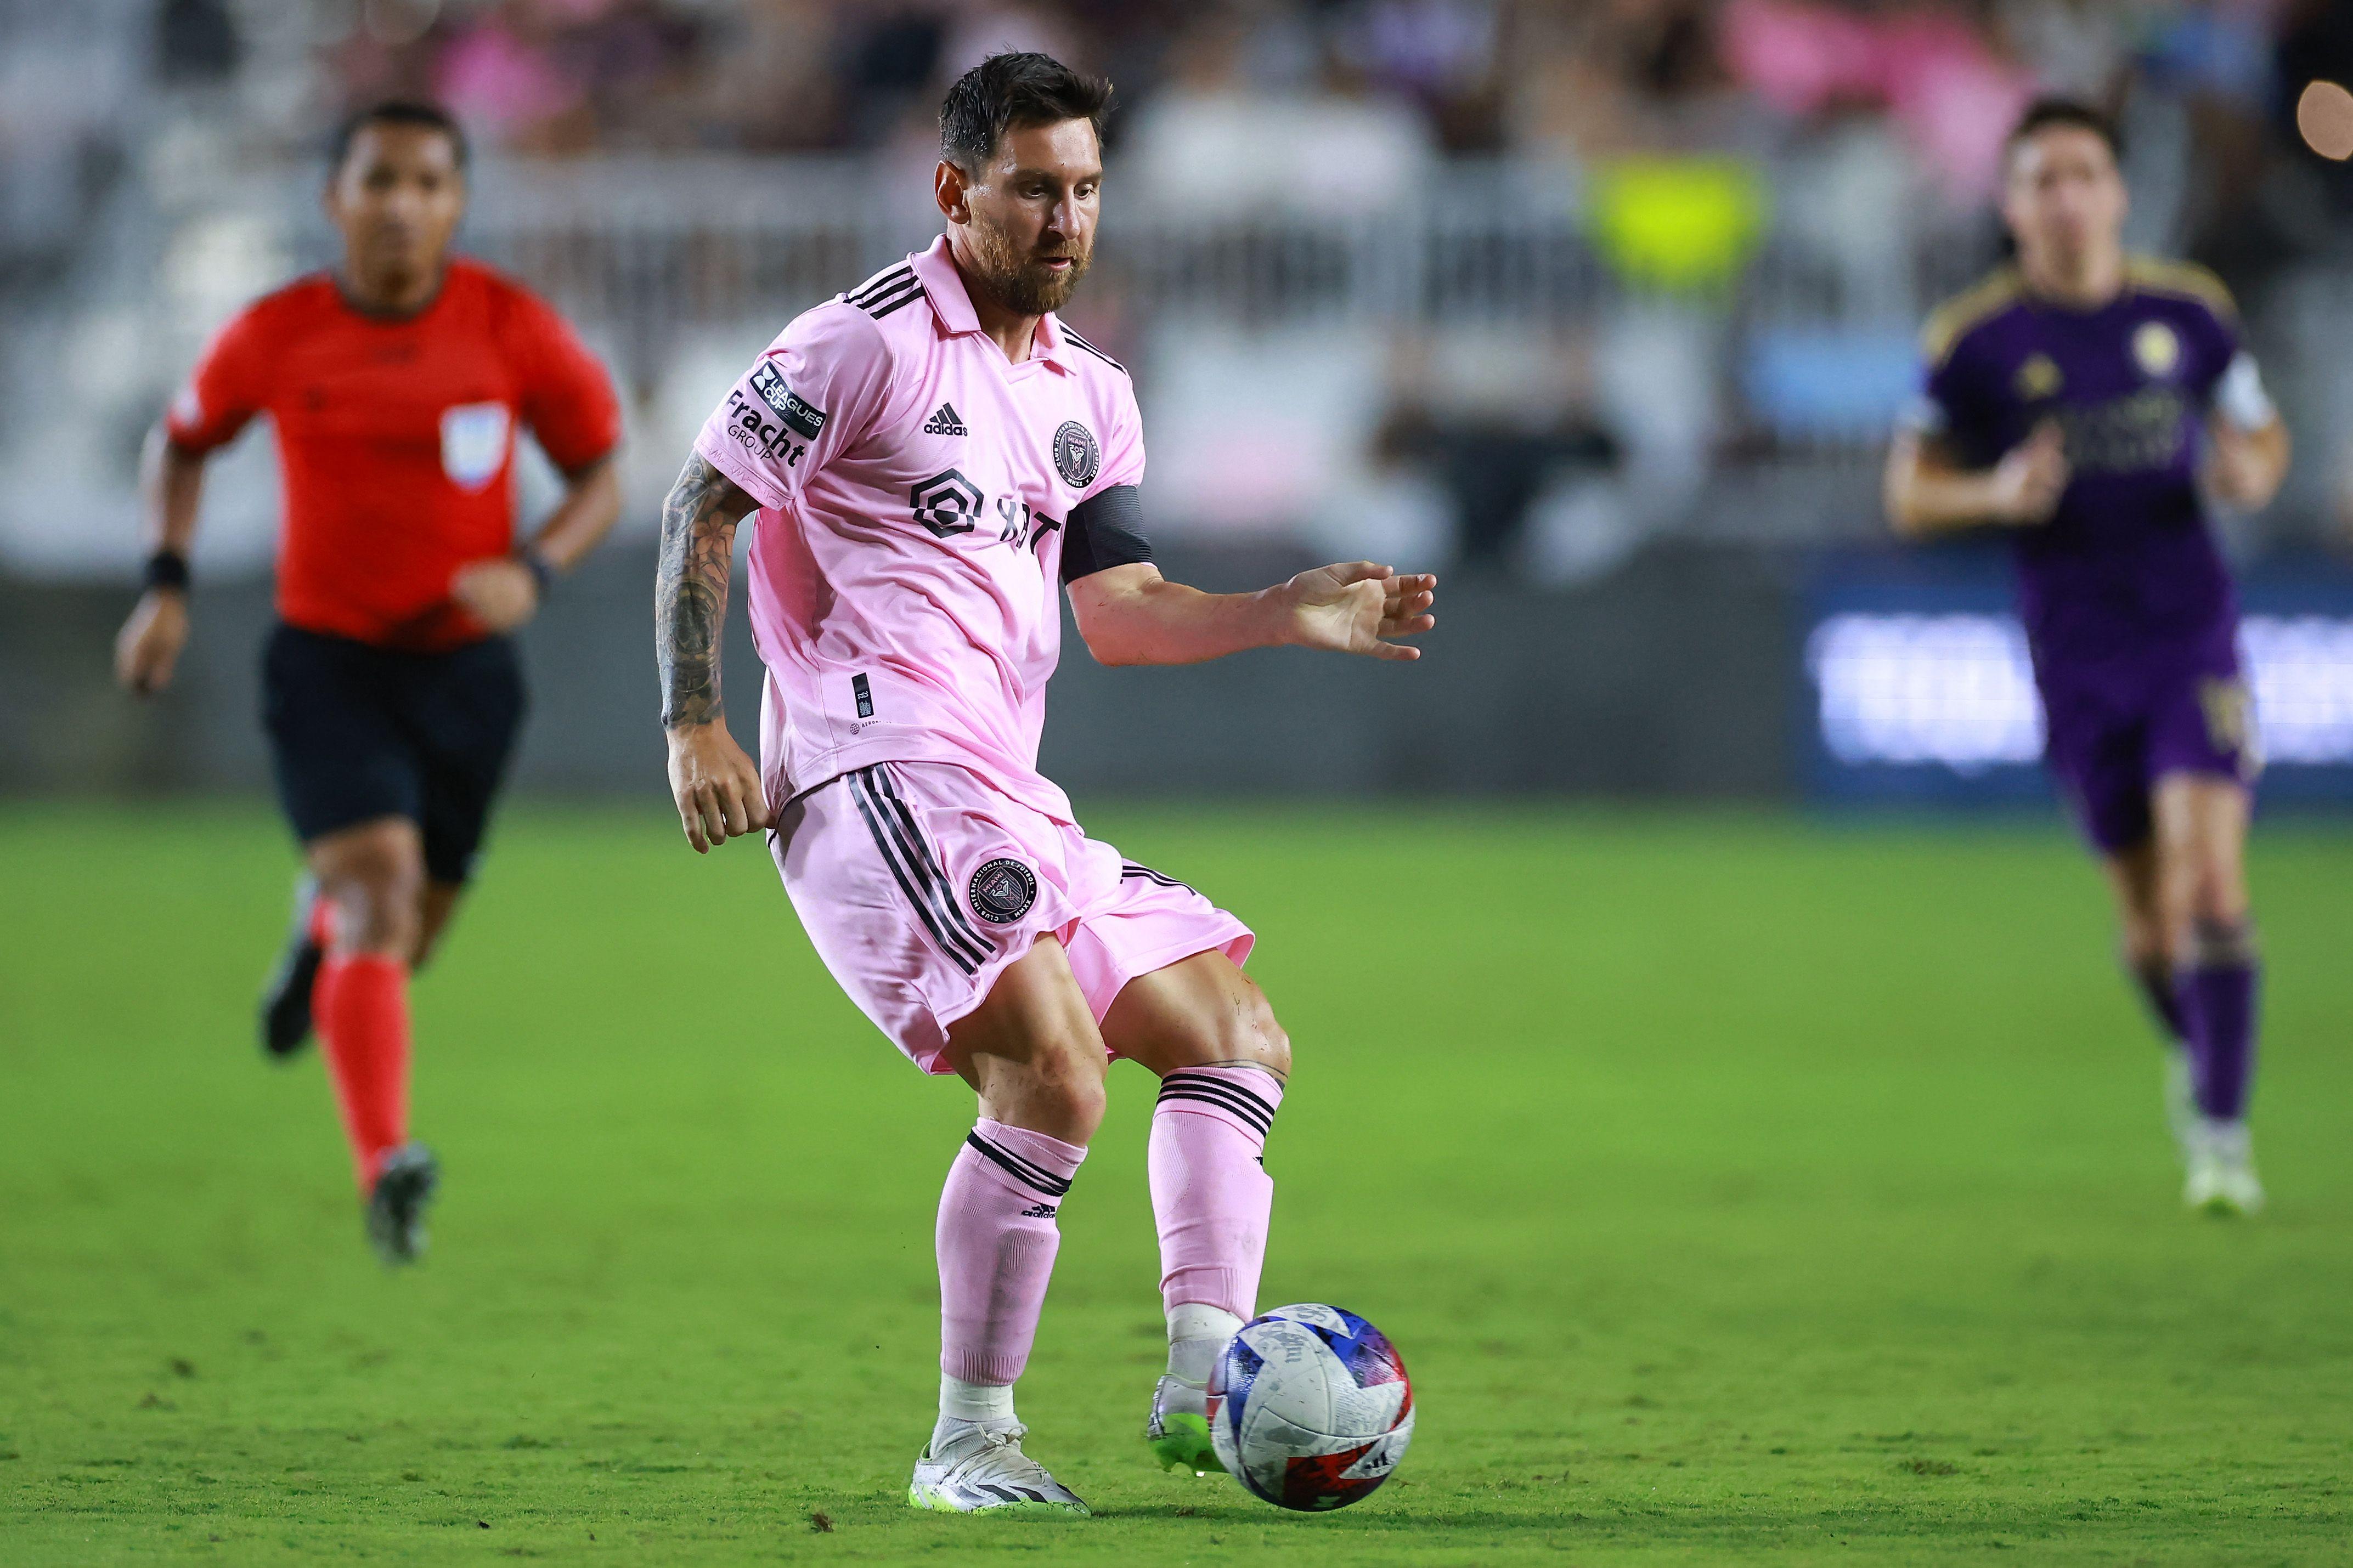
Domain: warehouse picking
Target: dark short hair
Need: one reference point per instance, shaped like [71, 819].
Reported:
[2071, 113]
[1012, 92]
[425, 116]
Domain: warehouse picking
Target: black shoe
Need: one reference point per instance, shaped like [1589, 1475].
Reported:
[286, 1003]
[395, 1209]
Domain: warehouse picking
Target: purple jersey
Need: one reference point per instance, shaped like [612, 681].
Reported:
[2127, 572]
[2128, 606]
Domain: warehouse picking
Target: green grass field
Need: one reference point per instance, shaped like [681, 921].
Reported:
[1738, 1188]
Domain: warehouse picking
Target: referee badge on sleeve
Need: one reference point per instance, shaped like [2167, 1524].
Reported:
[474, 443]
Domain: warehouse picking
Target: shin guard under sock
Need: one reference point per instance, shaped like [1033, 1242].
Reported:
[1210, 1194]
[2218, 988]
[360, 1005]
[997, 1241]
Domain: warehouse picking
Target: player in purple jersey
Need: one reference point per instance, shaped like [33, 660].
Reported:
[2081, 400]
[936, 459]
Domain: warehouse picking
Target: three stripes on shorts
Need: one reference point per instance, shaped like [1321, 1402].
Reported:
[1130, 871]
[916, 868]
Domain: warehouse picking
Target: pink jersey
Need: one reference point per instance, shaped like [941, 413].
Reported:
[916, 490]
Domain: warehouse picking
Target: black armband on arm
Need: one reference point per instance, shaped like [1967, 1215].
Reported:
[1106, 529]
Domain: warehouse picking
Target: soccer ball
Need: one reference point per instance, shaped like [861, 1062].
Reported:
[1310, 1407]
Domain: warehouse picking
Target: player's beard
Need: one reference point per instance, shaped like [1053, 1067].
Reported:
[1018, 280]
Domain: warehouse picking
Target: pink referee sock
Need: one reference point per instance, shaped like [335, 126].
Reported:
[1210, 1192]
[997, 1245]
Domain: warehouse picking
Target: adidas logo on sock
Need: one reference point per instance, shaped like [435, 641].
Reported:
[945, 423]
[1039, 1211]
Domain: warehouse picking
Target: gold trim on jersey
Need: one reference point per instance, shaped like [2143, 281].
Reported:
[1951, 321]
[2184, 280]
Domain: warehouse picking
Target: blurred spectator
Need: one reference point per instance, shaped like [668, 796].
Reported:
[1495, 423]
[566, 76]
[1937, 76]
[1440, 54]
[1617, 78]
[770, 82]
[503, 79]
[1214, 142]
[196, 41]
[1639, 249]
[2078, 46]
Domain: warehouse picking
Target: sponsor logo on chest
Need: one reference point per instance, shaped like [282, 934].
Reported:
[948, 504]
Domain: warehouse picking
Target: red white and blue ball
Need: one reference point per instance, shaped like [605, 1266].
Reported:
[1310, 1407]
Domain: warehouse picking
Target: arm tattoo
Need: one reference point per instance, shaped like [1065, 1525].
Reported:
[698, 541]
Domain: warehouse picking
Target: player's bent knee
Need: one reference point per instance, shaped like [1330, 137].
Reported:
[1054, 1084]
[2221, 943]
[1058, 1095]
[1251, 1034]
[376, 878]
[2218, 895]
[1079, 1104]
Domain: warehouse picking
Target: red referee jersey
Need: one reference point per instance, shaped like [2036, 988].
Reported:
[395, 439]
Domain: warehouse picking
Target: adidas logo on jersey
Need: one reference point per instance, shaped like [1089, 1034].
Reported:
[945, 423]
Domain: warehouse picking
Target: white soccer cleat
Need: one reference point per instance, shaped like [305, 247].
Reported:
[2222, 1178]
[982, 1470]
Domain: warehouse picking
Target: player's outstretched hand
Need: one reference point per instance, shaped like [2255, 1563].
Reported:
[716, 787]
[147, 649]
[1359, 606]
[2031, 477]
[500, 593]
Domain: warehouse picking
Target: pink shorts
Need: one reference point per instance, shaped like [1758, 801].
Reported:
[917, 882]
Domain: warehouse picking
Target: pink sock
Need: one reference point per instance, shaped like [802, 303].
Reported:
[997, 1245]
[1210, 1192]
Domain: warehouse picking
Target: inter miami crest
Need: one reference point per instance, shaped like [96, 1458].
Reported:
[1076, 457]
[1003, 890]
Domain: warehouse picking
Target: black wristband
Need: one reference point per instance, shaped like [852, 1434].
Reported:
[167, 569]
[542, 576]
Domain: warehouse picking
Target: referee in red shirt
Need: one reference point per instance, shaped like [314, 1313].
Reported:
[392, 693]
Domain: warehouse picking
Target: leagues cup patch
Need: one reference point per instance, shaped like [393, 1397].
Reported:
[800, 415]
[1003, 890]
[1076, 457]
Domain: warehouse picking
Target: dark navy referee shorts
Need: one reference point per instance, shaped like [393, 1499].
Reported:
[357, 732]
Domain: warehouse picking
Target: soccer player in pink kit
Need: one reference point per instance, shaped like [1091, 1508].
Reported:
[930, 454]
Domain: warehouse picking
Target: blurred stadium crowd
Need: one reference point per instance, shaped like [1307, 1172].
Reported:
[1521, 284]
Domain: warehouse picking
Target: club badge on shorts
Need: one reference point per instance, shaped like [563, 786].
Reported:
[474, 443]
[1077, 457]
[1002, 892]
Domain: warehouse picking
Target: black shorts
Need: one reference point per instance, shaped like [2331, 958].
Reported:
[358, 732]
